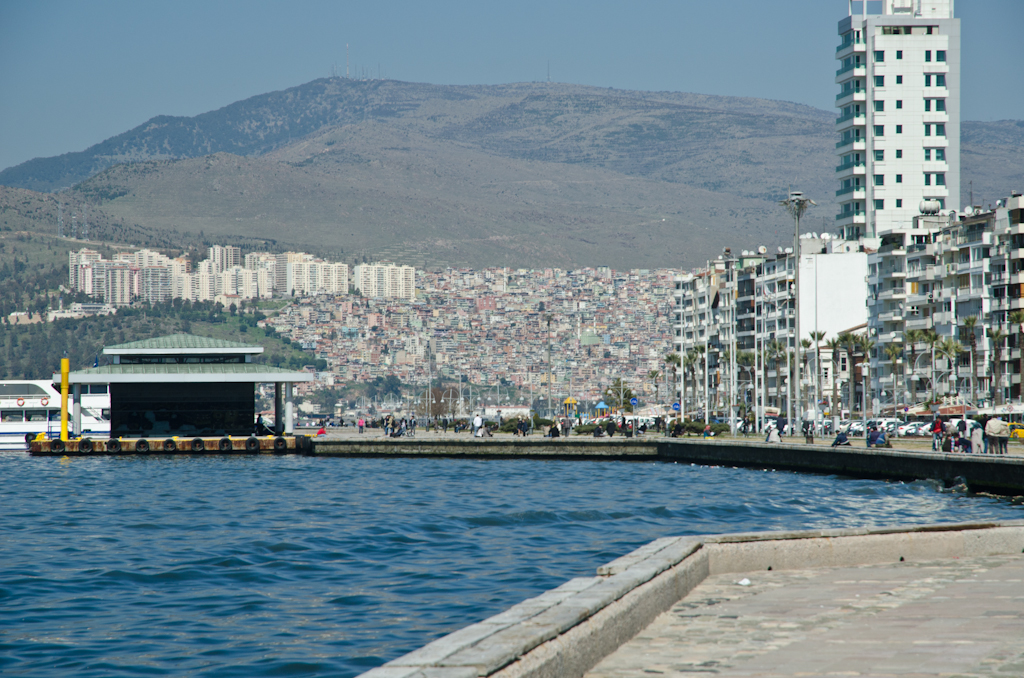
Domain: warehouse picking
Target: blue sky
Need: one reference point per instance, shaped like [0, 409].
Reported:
[75, 73]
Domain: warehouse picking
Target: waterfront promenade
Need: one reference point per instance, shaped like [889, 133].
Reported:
[927, 601]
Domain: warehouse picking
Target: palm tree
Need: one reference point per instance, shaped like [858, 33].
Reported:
[969, 324]
[776, 349]
[851, 344]
[950, 349]
[865, 346]
[745, 360]
[997, 336]
[913, 337]
[835, 346]
[672, 361]
[817, 337]
[653, 375]
[1017, 320]
[690, 368]
[894, 352]
[931, 337]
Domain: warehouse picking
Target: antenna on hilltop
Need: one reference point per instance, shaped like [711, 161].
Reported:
[549, 70]
[85, 222]
[60, 218]
[346, 59]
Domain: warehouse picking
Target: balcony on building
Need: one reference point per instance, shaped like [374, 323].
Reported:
[848, 217]
[848, 120]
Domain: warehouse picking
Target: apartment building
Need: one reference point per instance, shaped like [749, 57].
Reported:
[899, 105]
[934, 276]
[385, 280]
[224, 257]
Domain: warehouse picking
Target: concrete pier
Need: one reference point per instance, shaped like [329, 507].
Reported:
[981, 473]
[933, 600]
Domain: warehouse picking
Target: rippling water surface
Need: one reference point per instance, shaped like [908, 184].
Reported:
[293, 566]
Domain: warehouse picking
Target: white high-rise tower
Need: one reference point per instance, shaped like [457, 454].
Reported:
[899, 121]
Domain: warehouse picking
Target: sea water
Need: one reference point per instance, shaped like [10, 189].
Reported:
[299, 566]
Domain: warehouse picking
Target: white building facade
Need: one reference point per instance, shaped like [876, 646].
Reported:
[899, 114]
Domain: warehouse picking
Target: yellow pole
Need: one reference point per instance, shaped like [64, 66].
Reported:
[65, 367]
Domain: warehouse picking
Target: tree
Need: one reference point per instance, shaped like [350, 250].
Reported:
[326, 399]
[850, 343]
[776, 351]
[931, 337]
[950, 349]
[673, 362]
[997, 336]
[864, 348]
[894, 352]
[1016, 319]
[913, 337]
[835, 346]
[970, 323]
[618, 395]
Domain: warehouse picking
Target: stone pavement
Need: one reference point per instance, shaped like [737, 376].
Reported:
[959, 617]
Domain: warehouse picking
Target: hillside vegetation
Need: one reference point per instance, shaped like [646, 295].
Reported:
[518, 175]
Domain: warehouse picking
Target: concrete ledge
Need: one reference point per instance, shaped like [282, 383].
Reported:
[981, 473]
[486, 448]
[568, 630]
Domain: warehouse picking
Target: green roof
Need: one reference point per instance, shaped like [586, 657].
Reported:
[175, 373]
[183, 343]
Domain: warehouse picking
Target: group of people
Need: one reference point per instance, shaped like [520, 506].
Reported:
[990, 436]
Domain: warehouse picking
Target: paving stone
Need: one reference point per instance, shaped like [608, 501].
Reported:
[955, 617]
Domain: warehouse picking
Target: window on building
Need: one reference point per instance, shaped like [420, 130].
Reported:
[930, 29]
[927, 105]
[927, 154]
[940, 55]
[940, 105]
[879, 205]
[899, 79]
[899, 203]
[927, 130]
[899, 178]
[879, 156]
[879, 107]
[899, 103]
[940, 80]
[940, 154]
[927, 80]
[940, 130]
[899, 129]
[879, 81]
[927, 55]
[899, 54]
[927, 180]
[899, 153]
[940, 179]
[879, 180]
[879, 56]
[879, 130]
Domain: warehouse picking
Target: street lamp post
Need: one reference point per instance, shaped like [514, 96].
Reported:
[797, 204]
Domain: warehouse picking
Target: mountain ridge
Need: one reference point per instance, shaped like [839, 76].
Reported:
[517, 174]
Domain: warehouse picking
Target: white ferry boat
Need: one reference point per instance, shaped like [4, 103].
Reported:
[28, 408]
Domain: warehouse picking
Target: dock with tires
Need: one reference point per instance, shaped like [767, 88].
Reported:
[172, 445]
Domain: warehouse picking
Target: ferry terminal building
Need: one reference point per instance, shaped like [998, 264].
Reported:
[185, 385]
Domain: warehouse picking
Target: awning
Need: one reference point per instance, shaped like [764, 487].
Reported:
[252, 373]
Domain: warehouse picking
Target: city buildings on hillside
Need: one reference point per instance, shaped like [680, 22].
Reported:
[487, 333]
[899, 123]
[224, 276]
